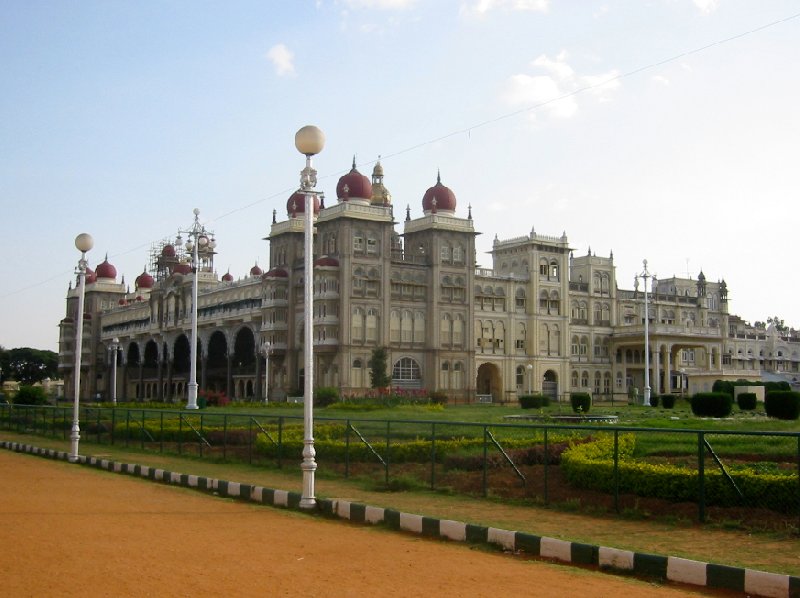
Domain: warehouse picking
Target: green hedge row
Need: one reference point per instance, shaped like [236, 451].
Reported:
[580, 401]
[783, 404]
[712, 404]
[534, 401]
[747, 401]
[591, 466]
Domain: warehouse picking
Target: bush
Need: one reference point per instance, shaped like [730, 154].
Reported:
[654, 400]
[783, 404]
[437, 397]
[534, 401]
[212, 398]
[747, 401]
[30, 395]
[712, 404]
[325, 396]
[581, 401]
[667, 401]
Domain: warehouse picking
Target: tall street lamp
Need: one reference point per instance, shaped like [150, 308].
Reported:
[114, 347]
[83, 243]
[309, 141]
[197, 241]
[644, 276]
[265, 352]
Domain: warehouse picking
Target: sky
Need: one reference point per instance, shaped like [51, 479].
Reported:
[664, 130]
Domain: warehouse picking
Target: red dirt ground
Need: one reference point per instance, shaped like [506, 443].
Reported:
[68, 530]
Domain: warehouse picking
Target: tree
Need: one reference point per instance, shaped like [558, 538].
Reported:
[377, 366]
[29, 366]
[779, 325]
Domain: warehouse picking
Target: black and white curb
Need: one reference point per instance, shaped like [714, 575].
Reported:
[750, 581]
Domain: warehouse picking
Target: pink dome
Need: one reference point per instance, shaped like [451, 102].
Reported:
[354, 185]
[326, 262]
[445, 198]
[296, 205]
[139, 298]
[277, 273]
[90, 276]
[106, 270]
[182, 269]
[256, 271]
[227, 277]
[144, 281]
[168, 251]
[123, 301]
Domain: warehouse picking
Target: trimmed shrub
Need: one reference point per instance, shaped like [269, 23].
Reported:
[783, 404]
[438, 397]
[747, 401]
[534, 401]
[654, 400]
[580, 401]
[30, 395]
[325, 395]
[712, 404]
[668, 401]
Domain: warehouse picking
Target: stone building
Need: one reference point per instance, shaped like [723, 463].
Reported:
[541, 319]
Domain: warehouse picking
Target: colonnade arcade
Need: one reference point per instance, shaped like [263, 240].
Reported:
[228, 361]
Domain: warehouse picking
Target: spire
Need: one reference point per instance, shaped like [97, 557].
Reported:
[469, 212]
[274, 216]
[408, 213]
[354, 161]
[438, 177]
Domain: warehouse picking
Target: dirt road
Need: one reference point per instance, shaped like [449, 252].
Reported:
[67, 530]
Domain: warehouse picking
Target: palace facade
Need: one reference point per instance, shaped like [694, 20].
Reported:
[541, 319]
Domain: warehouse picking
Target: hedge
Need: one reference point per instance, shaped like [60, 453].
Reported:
[534, 401]
[783, 404]
[712, 404]
[747, 401]
[592, 466]
[580, 401]
[668, 401]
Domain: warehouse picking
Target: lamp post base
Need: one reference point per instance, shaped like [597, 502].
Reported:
[74, 437]
[192, 396]
[307, 500]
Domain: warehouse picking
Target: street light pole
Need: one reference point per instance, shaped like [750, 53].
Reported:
[83, 243]
[645, 275]
[198, 241]
[114, 348]
[309, 141]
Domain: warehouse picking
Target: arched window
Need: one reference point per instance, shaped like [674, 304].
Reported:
[584, 348]
[585, 379]
[419, 327]
[520, 378]
[406, 370]
[457, 377]
[357, 324]
[554, 307]
[574, 379]
[394, 326]
[446, 330]
[406, 326]
[357, 374]
[607, 383]
[575, 345]
[597, 379]
[520, 340]
[444, 378]
[372, 325]
[458, 331]
[553, 273]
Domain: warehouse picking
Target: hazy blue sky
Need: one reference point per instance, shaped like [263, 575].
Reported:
[675, 138]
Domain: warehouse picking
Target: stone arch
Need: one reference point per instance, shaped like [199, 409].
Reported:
[489, 381]
[550, 384]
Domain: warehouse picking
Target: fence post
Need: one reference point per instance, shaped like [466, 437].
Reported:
[347, 450]
[485, 464]
[388, 452]
[433, 456]
[616, 471]
[701, 481]
[546, 467]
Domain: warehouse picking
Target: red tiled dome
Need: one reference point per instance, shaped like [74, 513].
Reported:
[90, 276]
[354, 185]
[144, 281]
[326, 262]
[277, 273]
[296, 205]
[106, 270]
[227, 277]
[445, 198]
[256, 271]
[168, 251]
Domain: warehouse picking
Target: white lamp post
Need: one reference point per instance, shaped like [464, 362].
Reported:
[645, 275]
[265, 352]
[530, 376]
[83, 242]
[198, 241]
[309, 141]
[114, 348]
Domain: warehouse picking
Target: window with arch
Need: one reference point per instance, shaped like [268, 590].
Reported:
[553, 271]
[584, 346]
[544, 302]
[357, 324]
[394, 326]
[444, 377]
[458, 254]
[406, 370]
[419, 327]
[445, 253]
[544, 268]
[372, 325]
[584, 379]
[574, 378]
[607, 383]
[597, 381]
[458, 331]
[554, 306]
[407, 326]
[519, 300]
[457, 376]
[575, 345]
[357, 373]
[446, 330]
[520, 377]
[520, 340]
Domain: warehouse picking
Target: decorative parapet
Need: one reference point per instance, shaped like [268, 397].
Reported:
[438, 222]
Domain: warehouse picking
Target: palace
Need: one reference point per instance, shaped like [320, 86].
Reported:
[542, 319]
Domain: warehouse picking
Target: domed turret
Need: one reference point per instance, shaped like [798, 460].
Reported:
[144, 280]
[106, 271]
[326, 261]
[91, 277]
[380, 194]
[168, 250]
[227, 277]
[256, 271]
[354, 186]
[182, 268]
[276, 273]
[296, 205]
[439, 199]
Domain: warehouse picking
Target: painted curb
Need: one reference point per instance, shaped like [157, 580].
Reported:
[676, 569]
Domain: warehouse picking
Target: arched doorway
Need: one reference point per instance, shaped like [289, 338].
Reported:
[489, 381]
[550, 385]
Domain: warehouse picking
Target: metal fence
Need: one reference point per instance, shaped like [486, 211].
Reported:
[730, 477]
